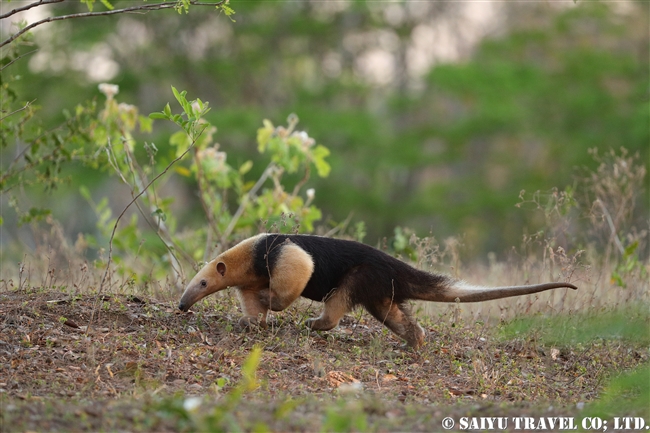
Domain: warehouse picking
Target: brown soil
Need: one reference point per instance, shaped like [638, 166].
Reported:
[88, 362]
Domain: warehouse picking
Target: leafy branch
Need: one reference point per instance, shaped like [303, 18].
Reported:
[117, 221]
[43, 154]
[18, 110]
[194, 130]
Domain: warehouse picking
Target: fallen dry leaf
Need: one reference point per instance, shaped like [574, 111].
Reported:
[70, 323]
[554, 353]
[337, 378]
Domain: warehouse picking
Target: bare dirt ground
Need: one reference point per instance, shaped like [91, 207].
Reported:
[71, 362]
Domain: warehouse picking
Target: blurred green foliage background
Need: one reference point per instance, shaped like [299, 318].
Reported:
[437, 114]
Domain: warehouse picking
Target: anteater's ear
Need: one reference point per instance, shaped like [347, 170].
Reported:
[221, 268]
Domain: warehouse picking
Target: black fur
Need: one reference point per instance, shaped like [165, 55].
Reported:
[346, 274]
[371, 273]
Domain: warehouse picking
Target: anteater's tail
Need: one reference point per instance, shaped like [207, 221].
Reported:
[459, 290]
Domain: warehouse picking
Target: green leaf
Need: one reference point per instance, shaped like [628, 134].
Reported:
[308, 216]
[85, 192]
[145, 123]
[181, 141]
[182, 6]
[245, 167]
[264, 135]
[183, 171]
[107, 4]
[228, 11]
[249, 369]
[34, 214]
[201, 106]
[180, 97]
[319, 154]
[89, 4]
[159, 214]
[630, 249]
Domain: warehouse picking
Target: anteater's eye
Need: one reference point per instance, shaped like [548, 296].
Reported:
[204, 283]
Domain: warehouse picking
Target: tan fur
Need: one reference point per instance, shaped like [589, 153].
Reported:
[254, 312]
[256, 294]
[401, 323]
[238, 262]
[238, 265]
[290, 276]
[335, 307]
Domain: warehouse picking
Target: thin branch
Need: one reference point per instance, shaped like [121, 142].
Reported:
[139, 179]
[339, 227]
[112, 160]
[245, 200]
[29, 6]
[612, 227]
[202, 197]
[117, 222]
[141, 8]
[18, 58]
[17, 111]
[302, 181]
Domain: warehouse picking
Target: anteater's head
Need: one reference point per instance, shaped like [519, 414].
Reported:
[212, 278]
[230, 269]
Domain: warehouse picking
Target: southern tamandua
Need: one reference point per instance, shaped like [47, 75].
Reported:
[270, 271]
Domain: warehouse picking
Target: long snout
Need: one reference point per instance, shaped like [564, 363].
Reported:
[189, 298]
[195, 291]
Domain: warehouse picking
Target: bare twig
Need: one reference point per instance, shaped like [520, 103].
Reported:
[17, 58]
[202, 198]
[139, 179]
[117, 222]
[245, 200]
[140, 8]
[28, 7]
[614, 236]
[339, 227]
[25, 107]
[302, 182]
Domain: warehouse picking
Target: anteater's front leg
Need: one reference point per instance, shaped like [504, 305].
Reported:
[254, 311]
[290, 275]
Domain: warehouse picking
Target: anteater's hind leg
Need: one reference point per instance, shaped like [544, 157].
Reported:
[335, 307]
[398, 319]
[291, 274]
